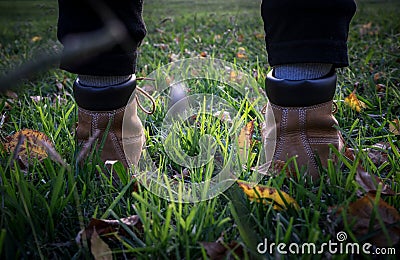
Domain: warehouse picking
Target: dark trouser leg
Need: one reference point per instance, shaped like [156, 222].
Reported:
[106, 77]
[312, 31]
[79, 16]
[305, 41]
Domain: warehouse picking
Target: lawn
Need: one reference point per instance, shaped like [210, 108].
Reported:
[46, 202]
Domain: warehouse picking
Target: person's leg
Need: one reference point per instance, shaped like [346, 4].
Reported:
[106, 76]
[305, 41]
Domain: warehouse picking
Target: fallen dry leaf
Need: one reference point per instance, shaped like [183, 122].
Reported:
[108, 228]
[378, 75]
[216, 250]
[359, 214]
[11, 94]
[394, 127]
[378, 153]
[241, 54]
[380, 88]
[240, 38]
[267, 195]
[349, 153]
[99, 249]
[244, 141]
[36, 38]
[33, 144]
[368, 29]
[259, 35]
[370, 182]
[354, 103]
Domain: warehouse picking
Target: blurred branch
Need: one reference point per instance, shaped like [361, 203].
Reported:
[76, 47]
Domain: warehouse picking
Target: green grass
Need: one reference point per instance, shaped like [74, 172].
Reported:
[44, 206]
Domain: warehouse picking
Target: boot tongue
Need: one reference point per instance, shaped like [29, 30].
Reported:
[300, 93]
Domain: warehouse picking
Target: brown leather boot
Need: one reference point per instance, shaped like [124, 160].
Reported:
[109, 109]
[304, 121]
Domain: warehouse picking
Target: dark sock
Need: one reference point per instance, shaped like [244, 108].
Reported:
[102, 81]
[300, 71]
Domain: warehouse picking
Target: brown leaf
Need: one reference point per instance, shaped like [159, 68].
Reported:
[349, 153]
[35, 144]
[107, 228]
[380, 88]
[368, 29]
[241, 54]
[377, 153]
[11, 94]
[100, 250]
[217, 250]
[394, 127]
[370, 182]
[360, 212]
[378, 75]
[244, 141]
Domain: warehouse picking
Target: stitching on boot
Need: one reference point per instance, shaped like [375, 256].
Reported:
[314, 107]
[303, 137]
[117, 145]
[281, 138]
[95, 121]
[89, 112]
[322, 141]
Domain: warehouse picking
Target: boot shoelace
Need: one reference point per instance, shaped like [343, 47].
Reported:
[148, 96]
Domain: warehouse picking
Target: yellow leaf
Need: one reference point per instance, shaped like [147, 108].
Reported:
[232, 75]
[267, 195]
[354, 103]
[29, 143]
[244, 141]
[36, 38]
[259, 35]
